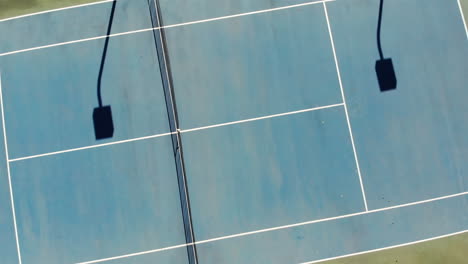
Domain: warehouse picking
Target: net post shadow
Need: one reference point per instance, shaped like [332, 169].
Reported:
[102, 115]
[384, 67]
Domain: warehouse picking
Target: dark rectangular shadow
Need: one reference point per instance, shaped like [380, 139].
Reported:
[386, 75]
[103, 124]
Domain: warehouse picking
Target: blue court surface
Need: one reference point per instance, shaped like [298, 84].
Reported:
[291, 153]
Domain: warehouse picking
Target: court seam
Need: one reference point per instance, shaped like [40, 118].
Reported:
[55, 10]
[164, 27]
[345, 106]
[173, 133]
[279, 228]
[9, 174]
[463, 17]
[385, 248]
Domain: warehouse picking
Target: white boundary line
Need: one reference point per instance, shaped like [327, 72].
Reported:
[136, 254]
[248, 13]
[345, 106]
[76, 41]
[172, 133]
[91, 147]
[261, 118]
[278, 228]
[333, 218]
[463, 17]
[157, 28]
[385, 248]
[8, 173]
[55, 10]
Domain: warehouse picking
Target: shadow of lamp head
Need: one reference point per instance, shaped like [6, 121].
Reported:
[386, 75]
[103, 124]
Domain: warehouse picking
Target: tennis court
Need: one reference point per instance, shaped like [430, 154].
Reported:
[291, 151]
